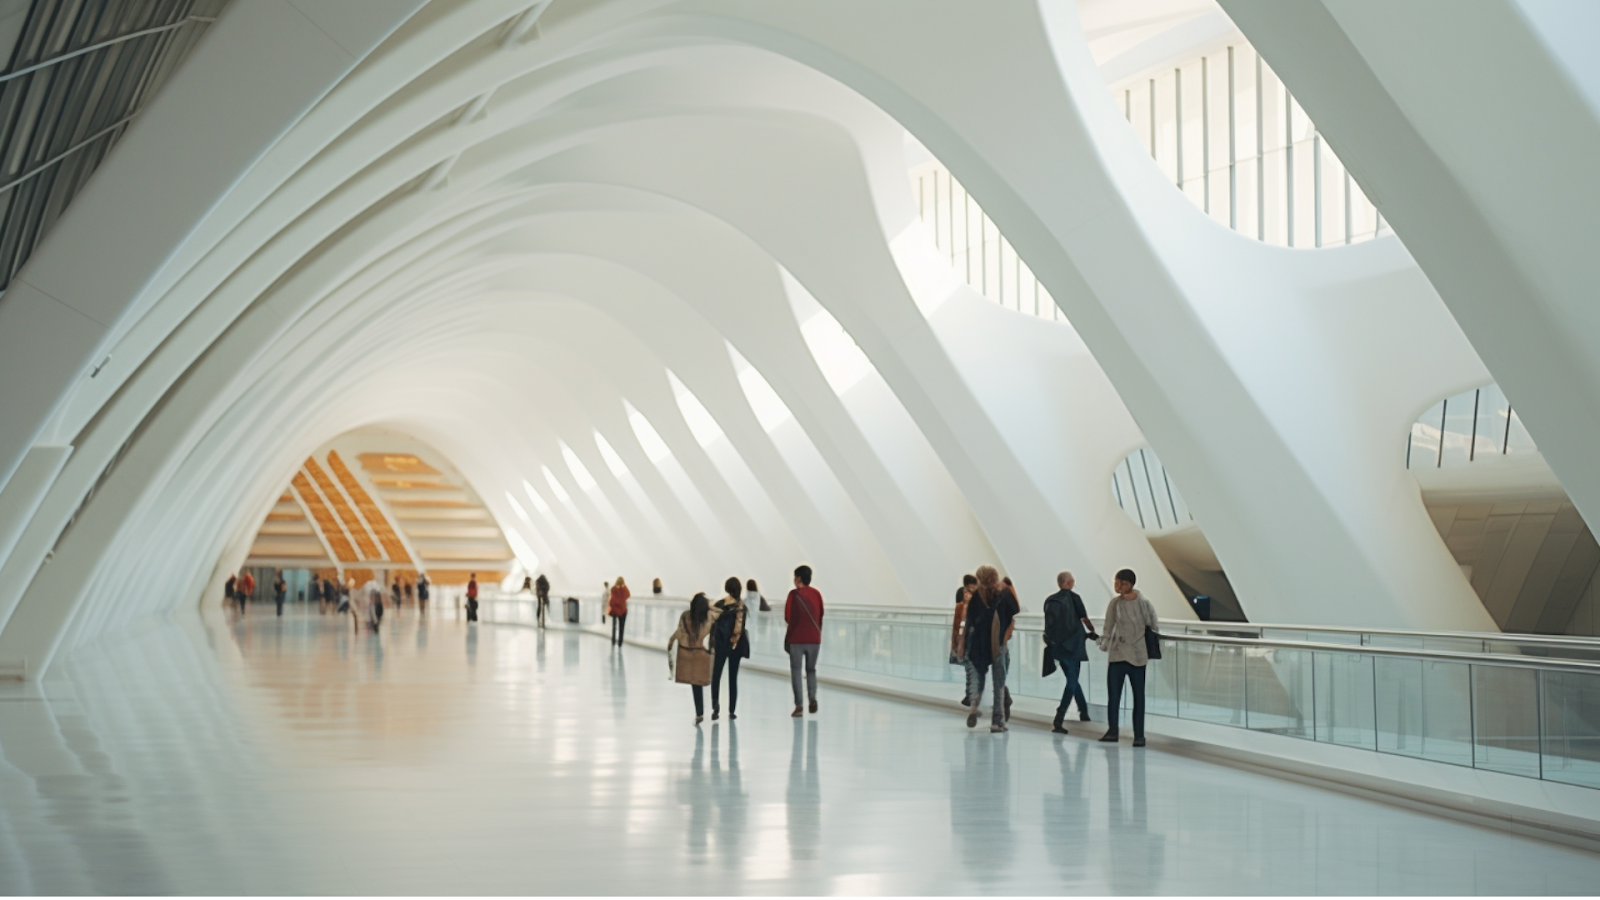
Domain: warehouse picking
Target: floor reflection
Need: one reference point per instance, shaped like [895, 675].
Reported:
[298, 755]
[1138, 855]
[1066, 814]
[803, 801]
[980, 807]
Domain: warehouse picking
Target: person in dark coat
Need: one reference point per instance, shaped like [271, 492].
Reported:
[991, 615]
[1066, 628]
[541, 596]
[730, 643]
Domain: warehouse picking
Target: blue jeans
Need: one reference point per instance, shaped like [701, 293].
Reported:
[1074, 691]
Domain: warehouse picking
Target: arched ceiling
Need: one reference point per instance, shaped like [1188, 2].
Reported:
[512, 232]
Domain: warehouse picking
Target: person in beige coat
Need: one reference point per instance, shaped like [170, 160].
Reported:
[692, 664]
[1127, 618]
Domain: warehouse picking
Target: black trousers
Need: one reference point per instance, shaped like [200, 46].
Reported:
[618, 623]
[1135, 675]
[699, 700]
[732, 662]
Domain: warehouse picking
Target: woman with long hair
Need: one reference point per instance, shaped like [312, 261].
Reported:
[753, 598]
[990, 614]
[692, 665]
[729, 644]
[618, 606]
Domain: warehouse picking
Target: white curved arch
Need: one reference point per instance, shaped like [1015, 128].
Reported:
[504, 249]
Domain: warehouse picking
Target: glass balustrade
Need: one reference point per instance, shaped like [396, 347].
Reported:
[1399, 693]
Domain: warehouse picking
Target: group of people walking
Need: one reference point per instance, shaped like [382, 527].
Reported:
[333, 596]
[985, 618]
[712, 638]
[725, 625]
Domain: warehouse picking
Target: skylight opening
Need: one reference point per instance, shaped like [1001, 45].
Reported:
[520, 548]
[655, 449]
[609, 454]
[517, 508]
[842, 362]
[769, 408]
[533, 496]
[555, 486]
[701, 423]
[580, 474]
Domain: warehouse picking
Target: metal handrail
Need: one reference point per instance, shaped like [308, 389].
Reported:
[1259, 628]
[1477, 659]
[1507, 636]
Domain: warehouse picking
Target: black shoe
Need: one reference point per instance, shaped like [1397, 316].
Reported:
[813, 704]
[1138, 742]
[1109, 737]
[1056, 727]
[733, 715]
[1084, 718]
[715, 714]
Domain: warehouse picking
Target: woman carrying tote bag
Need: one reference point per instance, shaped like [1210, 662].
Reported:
[692, 664]
[1131, 624]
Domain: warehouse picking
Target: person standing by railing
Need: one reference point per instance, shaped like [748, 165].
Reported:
[618, 606]
[730, 643]
[991, 614]
[958, 634]
[1066, 628]
[753, 598]
[803, 613]
[1128, 617]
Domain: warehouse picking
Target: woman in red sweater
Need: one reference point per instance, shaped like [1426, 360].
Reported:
[619, 610]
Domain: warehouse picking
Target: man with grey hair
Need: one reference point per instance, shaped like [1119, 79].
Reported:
[1066, 627]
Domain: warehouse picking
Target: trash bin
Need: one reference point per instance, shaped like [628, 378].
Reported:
[572, 610]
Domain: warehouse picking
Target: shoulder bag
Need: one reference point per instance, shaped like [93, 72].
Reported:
[1152, 637]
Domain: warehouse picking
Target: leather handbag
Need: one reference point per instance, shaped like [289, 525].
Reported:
[1152, 643]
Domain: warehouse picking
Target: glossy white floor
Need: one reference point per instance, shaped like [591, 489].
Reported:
[290, 755]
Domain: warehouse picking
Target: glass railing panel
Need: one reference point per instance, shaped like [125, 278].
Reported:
[1027, 664]
[1161, 683]
[1212, 676]
[1570, 714]
[1345, 700]
[1278, 691]
[1505, 720]
[1424, 709]
[1531, 722]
